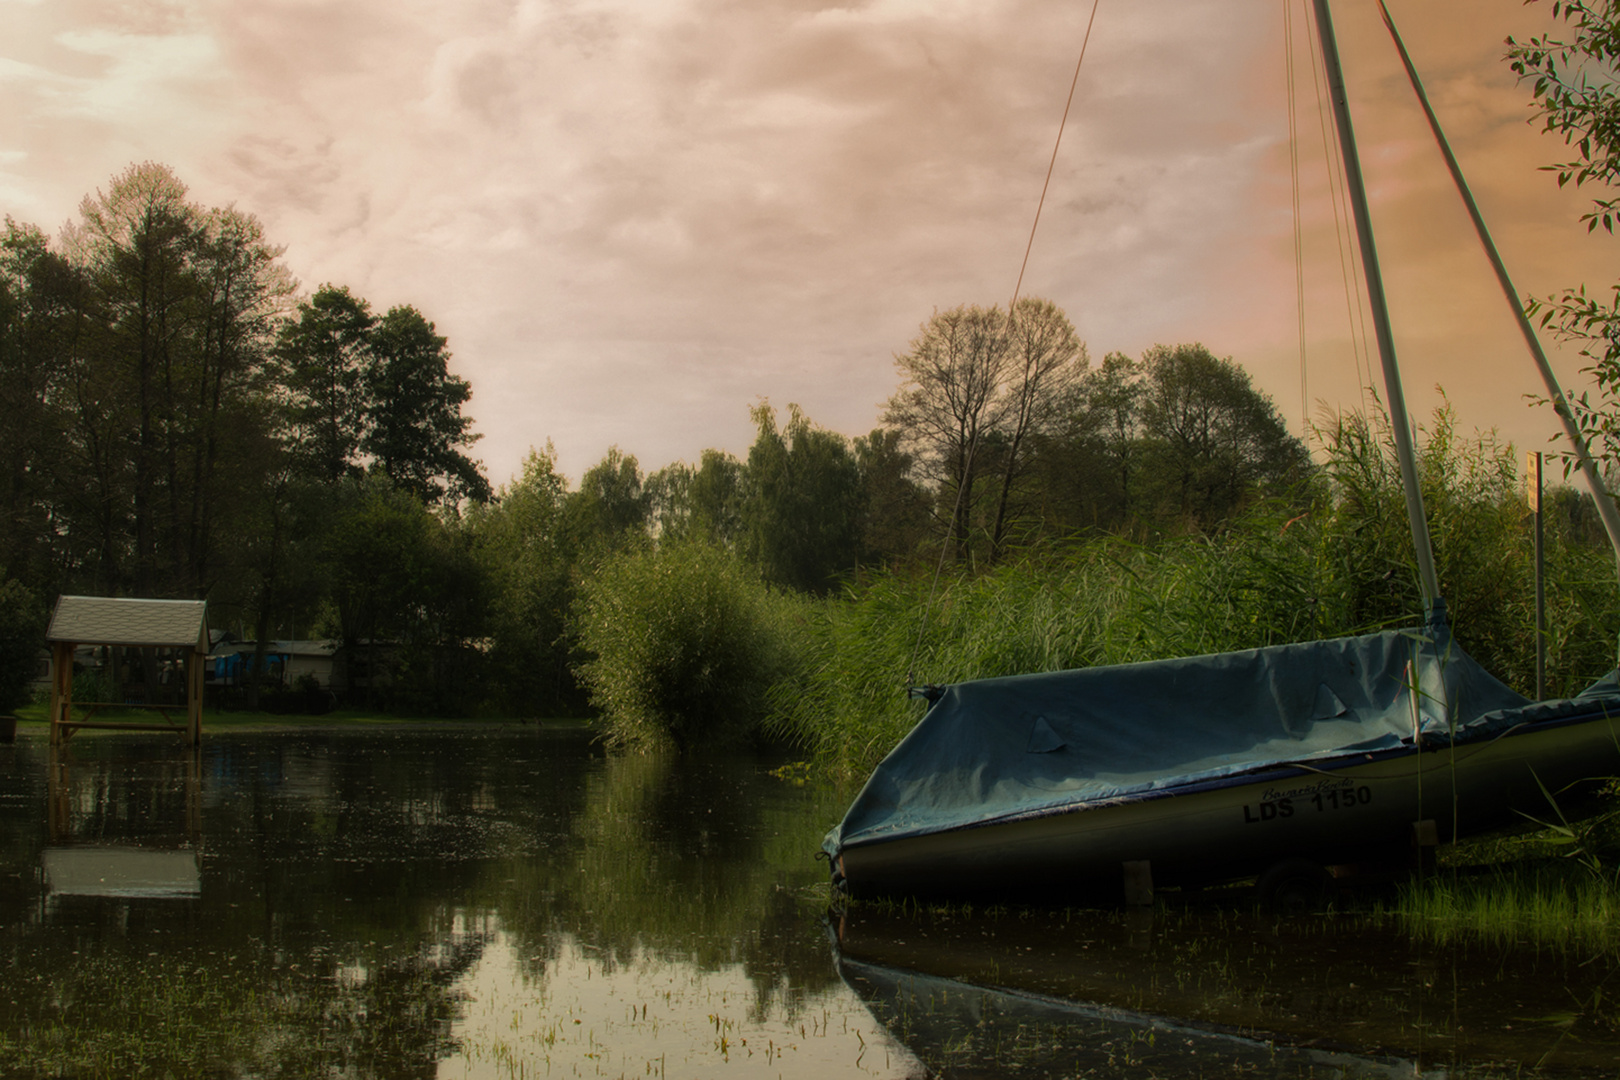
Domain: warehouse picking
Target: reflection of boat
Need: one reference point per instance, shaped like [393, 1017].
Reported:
[1200, 992]
[1278, 761]
[106, 870]
[961, 1030]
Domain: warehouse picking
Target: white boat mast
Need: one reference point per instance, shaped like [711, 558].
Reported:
[1399, 423]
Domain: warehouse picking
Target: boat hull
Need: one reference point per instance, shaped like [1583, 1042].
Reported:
[1355, 808]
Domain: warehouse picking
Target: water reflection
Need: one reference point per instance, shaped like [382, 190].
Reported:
[158, 846]
[498, 902]
[962, 1031]
[1110, 993]
[398, 903]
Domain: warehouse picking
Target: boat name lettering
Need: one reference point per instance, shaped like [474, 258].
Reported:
[1305, 792]
[1324, 799]
[1268, 811]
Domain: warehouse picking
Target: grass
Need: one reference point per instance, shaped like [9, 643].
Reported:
[1543, 904]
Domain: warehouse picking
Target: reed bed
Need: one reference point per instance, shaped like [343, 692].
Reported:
[1333, 558]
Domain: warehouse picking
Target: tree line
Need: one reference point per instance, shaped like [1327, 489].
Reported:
[183, 422]
[180, 423]
[999, 438]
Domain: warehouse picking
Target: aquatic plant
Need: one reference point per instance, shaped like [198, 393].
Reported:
[1544, 904]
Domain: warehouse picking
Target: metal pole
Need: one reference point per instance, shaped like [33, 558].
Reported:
[1399, 424]
[1560, 402]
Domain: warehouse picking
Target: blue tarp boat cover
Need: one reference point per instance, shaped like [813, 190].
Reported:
[1027, 745]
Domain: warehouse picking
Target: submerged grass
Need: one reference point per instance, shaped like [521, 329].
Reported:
[1544, 905]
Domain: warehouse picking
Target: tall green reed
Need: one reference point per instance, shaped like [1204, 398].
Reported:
[1336, 559]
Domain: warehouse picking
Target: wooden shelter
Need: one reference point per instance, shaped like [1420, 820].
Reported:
[97, 620]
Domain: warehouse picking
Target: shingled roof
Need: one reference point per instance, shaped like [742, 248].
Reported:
[100, 620]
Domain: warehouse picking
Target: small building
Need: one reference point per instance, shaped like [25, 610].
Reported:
[171, 637]
[286, 663]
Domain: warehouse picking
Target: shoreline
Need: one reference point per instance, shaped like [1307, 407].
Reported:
[38, 727]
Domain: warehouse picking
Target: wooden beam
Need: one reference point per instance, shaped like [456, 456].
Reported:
[196, 669]
[61, 687]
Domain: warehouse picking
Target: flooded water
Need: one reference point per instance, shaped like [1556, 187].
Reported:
[509, 902]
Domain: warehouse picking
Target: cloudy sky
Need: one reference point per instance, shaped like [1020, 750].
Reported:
[633, 219]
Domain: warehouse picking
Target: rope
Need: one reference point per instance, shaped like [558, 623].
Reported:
[1053, 163]
[1012, 306]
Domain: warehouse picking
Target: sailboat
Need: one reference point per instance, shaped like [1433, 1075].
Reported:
[1292, 764]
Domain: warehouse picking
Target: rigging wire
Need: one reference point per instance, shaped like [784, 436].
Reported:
[1355, 309]
[1299, 246]
[1053, 163]
[945, 548]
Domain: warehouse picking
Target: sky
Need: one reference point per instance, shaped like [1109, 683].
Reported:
[636, 219]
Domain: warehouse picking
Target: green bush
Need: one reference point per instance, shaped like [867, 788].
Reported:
[22, 635]
[684, 642]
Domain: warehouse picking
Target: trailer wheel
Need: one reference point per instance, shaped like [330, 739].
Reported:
[1295, 887]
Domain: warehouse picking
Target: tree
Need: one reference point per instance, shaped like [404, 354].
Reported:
[415, 429]
[802, 511]
[522, 540]
[1574, 82]
[1092, 458]
[30, 372]
[22, 633]
[978, 390]
[325, 352]
[948, 403]
[698, 503]
[684, 643]
[378, 392]
[1210, 439]
[609, 512]
[155, 323]
[894, 507]
[136, 242]
[1045, 357]
[409, 598]
[243, 291]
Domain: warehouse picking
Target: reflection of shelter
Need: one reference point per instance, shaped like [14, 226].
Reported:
[121, 871]
[168, 684]
[91, 851]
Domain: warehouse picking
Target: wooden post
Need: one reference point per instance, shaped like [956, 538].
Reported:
[1532, 491]
[61, 688]
[195, 673]
[1139, 883]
